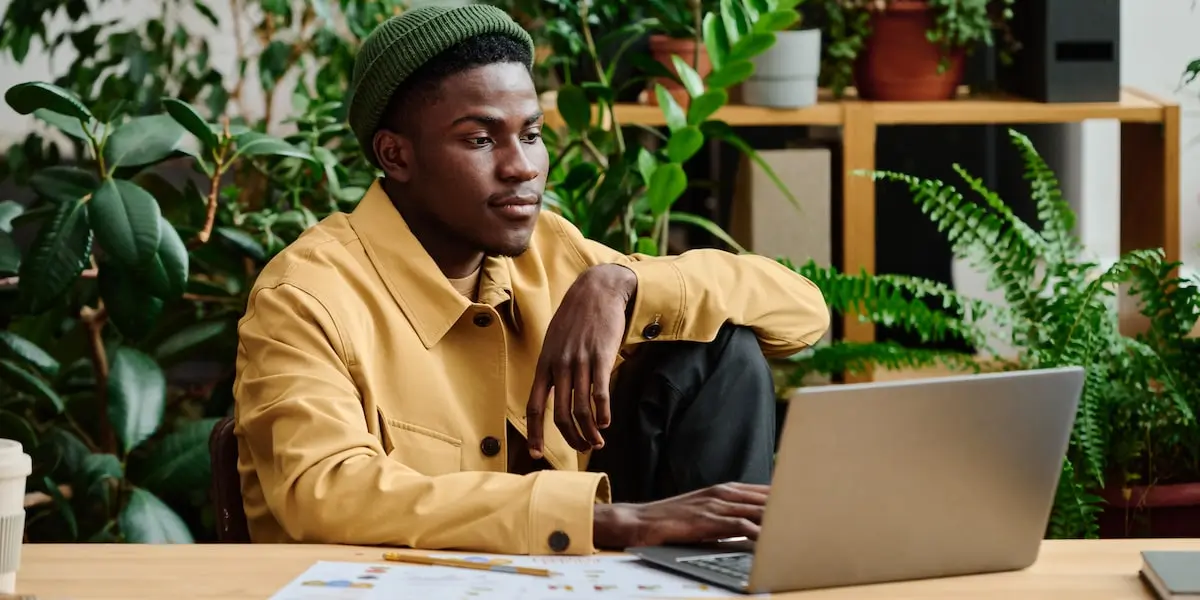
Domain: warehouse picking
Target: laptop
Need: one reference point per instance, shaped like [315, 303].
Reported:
[901, 480]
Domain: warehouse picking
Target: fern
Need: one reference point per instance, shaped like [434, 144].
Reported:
[900, 301]
[1141, 395]
[858, 358]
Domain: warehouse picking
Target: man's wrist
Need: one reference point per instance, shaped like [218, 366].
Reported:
[614, 526]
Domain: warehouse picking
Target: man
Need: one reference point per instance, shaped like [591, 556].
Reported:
[393, 361]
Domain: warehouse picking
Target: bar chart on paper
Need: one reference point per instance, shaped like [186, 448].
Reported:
[572, 578]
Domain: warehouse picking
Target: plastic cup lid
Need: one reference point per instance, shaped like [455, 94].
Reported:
[13, 461]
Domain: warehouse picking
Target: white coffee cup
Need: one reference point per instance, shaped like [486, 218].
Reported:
[15, 467]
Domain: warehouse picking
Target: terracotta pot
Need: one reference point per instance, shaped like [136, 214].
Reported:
[897, 62]
[1160, 511]
[662, 47]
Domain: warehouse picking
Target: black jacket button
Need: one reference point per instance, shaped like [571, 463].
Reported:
[651, 331]
[490, 446]
[482, 320]
[559, 541]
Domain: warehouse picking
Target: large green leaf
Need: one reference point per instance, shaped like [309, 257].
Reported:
[675, 117]
[168, 274]
[59, 253]
[147, 520]
[63, 184]
[99, 474]
[684, 143]
[691, 80]
[68, 125]
[137, 394]
[10, 255]
[253, 143]
[22, 380]
[731, 75]
[18, 347]
[126, 220]
[242, 241]
[132, 309]
[776, 20]
[706, 105]
[30, 96]
[9, 210]
[750, 46]
[142, 141]
[666, 185]
[179, 462]
[709, 226]
[715, 41]
[574, 107]
[195, 335]
[189, 118]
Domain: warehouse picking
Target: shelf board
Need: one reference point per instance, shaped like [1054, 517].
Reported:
[1133, 106]
[982, 109]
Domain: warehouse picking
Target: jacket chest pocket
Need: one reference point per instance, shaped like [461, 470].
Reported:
[422, 449]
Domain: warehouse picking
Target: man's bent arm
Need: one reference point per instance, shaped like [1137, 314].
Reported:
[690, 296]
[326, 478]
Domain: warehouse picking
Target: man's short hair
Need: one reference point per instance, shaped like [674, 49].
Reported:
[400, 46]
[422, 85]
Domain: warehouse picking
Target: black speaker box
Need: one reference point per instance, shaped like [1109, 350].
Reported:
[1071, 51]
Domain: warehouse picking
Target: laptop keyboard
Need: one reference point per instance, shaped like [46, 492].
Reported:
[735, 565]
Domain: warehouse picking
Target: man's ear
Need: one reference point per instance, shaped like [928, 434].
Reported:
[395, 154]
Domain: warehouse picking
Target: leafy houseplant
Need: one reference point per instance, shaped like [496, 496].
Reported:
[1136, 422]
[680, 33]
[906, 49]
[622, 194]
[103, 264]
[785, 76]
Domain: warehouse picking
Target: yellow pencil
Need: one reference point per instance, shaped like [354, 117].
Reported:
[466, 564]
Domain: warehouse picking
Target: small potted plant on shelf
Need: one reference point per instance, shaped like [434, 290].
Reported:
[785, 74]
[679, 32]
[898, 50]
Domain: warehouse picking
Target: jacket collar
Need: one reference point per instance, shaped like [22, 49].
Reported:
[415, 282]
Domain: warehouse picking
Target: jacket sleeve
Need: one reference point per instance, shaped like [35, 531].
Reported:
[690, 296]
[326, 477]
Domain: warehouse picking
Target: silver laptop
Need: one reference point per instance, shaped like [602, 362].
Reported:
[894, 481]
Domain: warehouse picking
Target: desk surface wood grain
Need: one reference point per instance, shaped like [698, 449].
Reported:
[1092, 569]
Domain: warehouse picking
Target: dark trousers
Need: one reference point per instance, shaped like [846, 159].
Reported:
[689, 415]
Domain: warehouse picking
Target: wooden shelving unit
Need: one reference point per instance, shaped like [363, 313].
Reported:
[1149, 157]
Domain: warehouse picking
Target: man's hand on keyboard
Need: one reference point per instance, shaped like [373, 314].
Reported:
[718, 512]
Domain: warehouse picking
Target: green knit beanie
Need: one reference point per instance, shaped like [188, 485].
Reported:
[403, 43]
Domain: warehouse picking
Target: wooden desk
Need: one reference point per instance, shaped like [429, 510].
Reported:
[1095, 570]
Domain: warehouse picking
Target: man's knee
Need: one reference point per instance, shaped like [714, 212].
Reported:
[738, 343]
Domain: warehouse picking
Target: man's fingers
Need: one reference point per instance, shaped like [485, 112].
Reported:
[600, 382]
[535, 412]
[582, 407]
[726, 527]
[752, 512]
[562, 410]
[742, 493]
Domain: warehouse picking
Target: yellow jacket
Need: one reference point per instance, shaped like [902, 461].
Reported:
[372, 398]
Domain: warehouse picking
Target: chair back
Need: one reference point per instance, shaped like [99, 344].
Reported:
[227, 484]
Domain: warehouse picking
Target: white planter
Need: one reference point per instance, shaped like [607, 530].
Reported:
[785, 76]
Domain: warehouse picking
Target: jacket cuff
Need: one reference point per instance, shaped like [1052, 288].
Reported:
[561, 511]
[660, 303]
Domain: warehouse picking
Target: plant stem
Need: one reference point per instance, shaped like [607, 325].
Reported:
[94, 319]
[595, 54]
[214, 189]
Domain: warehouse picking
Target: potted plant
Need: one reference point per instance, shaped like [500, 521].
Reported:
[785, 75]
[907, 50]
[678, 32]
[622, 193]
[1133, 465]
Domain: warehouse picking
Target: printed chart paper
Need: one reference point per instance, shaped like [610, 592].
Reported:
[584, 577]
